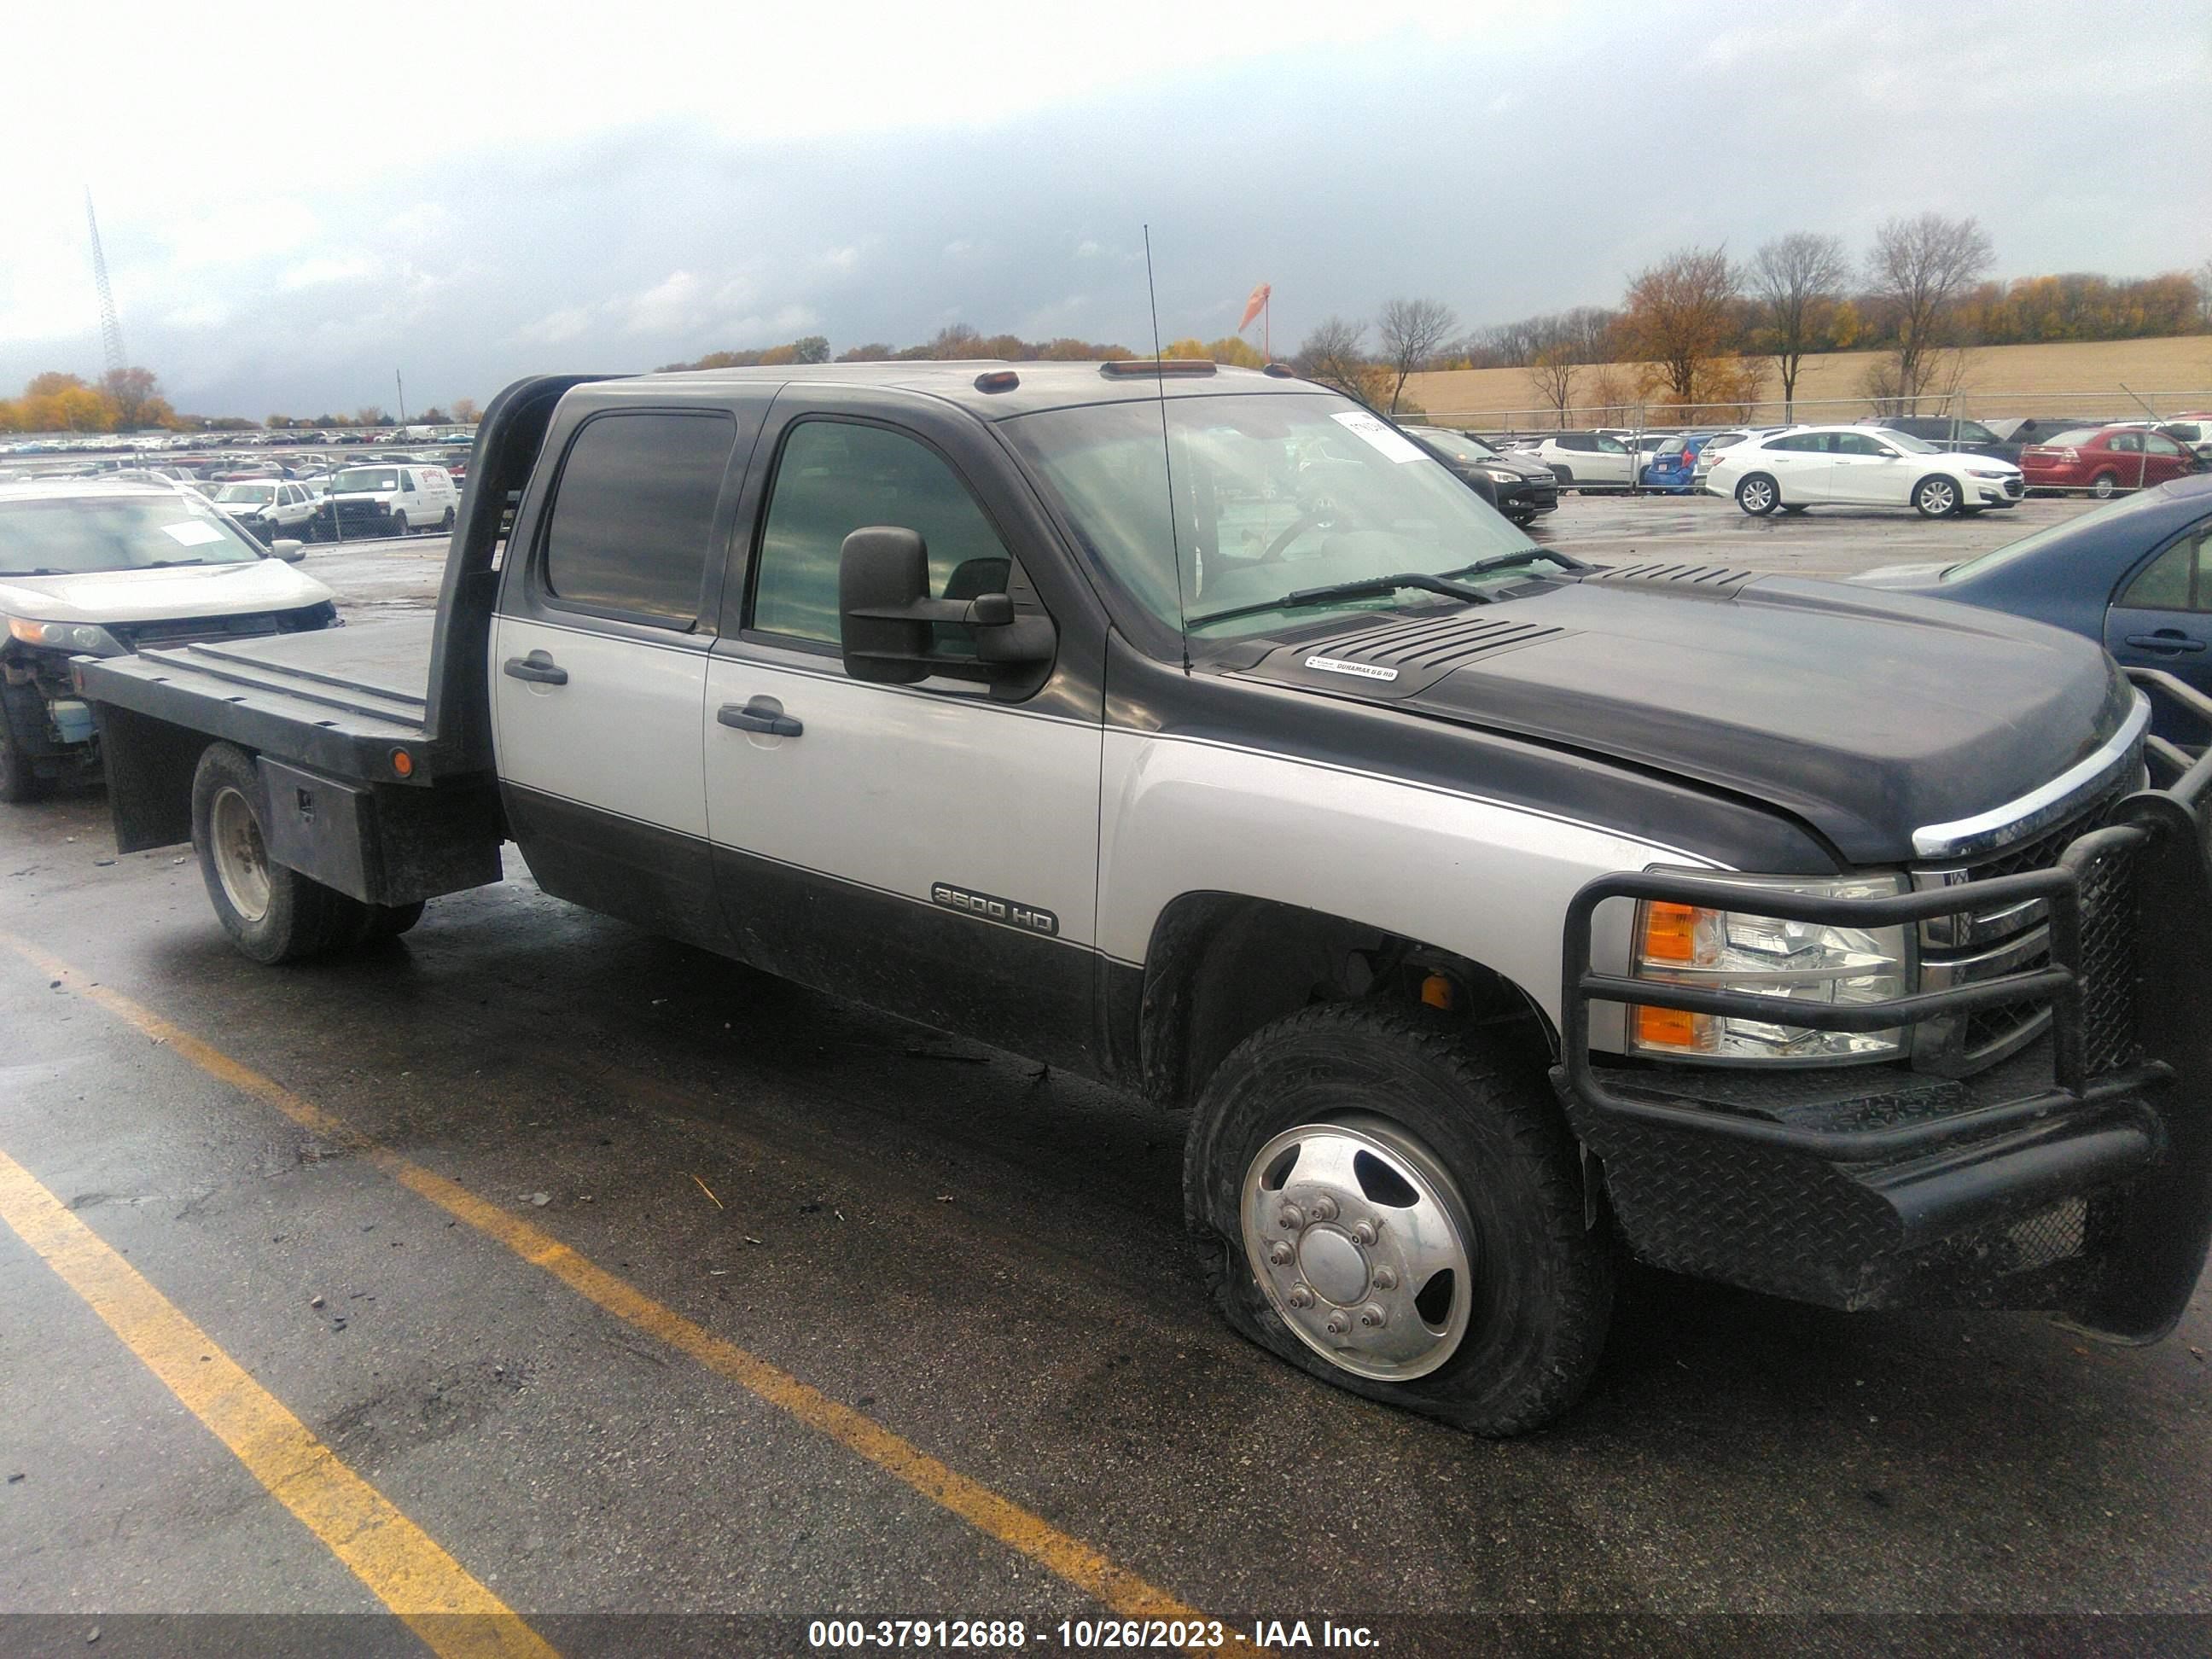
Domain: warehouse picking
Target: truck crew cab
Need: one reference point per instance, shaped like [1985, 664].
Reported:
[1493, 913]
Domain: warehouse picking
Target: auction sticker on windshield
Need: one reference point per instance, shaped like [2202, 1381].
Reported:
[1392, 444]
[194, 532]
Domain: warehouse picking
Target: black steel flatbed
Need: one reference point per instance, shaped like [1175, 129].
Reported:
[345, 701]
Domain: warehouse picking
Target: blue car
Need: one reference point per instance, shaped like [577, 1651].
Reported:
[2135, 575]
[1673, 468]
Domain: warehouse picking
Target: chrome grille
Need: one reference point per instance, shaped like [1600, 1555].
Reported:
[2013, 938]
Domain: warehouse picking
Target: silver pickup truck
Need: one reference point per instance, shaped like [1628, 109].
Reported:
[1493, 916]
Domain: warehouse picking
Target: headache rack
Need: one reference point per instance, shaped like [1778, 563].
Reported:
[2047, 1147]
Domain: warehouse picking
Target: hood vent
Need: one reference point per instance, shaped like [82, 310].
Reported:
[1715, 578]
[1400, 657]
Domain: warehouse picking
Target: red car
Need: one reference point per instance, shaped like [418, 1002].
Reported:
[2103, 460]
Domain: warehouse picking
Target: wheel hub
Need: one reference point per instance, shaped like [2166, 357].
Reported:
[1361, 1241]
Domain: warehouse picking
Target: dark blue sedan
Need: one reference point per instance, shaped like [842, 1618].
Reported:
[2136, 576]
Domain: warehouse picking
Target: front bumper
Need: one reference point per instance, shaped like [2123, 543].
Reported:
[1532, 496]
[2075, 1176]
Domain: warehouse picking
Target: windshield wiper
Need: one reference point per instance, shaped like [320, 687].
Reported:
[43, 570]
[168, 564]
[1358, 590]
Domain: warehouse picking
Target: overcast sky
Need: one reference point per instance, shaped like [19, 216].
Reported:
[297, 200]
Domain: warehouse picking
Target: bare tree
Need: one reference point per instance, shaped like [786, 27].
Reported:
[1335, 354]
[1797, 280]
[1918, 269]
[1413, 331]
[1552, 363]
[137, 393]
[1681, 314]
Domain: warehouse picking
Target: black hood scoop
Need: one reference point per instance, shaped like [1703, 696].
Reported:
[1719, 581]
[1401, 656]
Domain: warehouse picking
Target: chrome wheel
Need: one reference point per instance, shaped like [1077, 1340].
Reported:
[2103, 485]
[1757, 496]
[242, 863]
[1362, 1243]
[1939, 497]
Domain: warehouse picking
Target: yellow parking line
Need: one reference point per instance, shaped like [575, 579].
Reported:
[399, 1562]
[1067, 1557]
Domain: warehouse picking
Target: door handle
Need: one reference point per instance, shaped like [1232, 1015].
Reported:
[2165, 639]
[758, 715]
[537, 668]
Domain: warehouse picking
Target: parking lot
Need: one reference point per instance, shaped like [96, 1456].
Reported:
[616, 1278]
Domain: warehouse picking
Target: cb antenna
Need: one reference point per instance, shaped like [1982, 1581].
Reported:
[1167, 451]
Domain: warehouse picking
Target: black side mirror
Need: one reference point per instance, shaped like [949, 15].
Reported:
[886, 620]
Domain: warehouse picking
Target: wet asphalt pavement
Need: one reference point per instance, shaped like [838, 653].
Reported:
[983, 1260]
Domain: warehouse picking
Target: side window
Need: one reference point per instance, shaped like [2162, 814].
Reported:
[835, 477]
[407, 482]
[1611, 447]
[2126, 443]
[2160, 445]
[2177, 580]
[634, 514]
[1576, 441]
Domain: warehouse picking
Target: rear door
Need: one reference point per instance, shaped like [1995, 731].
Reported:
[2162, 616]
[598, 666]
[929, 849]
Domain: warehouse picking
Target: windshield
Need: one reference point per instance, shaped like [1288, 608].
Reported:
[2149, 500]
[261, 494]
[2079, 434]
[366, 480]
[1273, 494]
[1457, 445]
[72, 537]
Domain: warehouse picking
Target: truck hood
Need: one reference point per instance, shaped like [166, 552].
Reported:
[172, 595]
[1864, 714]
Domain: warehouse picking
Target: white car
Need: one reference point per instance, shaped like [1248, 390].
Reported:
[269, 508]
[102, 569]
[1581, 458]
[1860, 466]
[390, 498]
[1720, 442]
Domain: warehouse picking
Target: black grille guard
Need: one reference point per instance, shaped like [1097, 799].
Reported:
[2156, 1087]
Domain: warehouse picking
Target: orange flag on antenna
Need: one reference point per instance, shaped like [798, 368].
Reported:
[1254, 305]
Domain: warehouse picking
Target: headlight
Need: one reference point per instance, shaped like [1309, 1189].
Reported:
[1498, 476]
[1983, 472]
[81, 637]
[1765, 956]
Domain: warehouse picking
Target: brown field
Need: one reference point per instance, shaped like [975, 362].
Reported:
[2080, 378]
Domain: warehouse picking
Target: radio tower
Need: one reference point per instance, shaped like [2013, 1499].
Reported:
[110, 331]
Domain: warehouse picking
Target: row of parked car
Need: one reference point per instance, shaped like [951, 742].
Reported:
[393, 493]
[1938, 466]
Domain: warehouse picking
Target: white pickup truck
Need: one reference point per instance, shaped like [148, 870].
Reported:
[1490, 914]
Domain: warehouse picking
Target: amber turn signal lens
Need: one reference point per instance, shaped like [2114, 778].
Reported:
[403, 763]
[1669, 1028]
[1436, 992]
[1670, 932]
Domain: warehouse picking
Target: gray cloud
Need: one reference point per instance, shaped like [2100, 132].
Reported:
[1503, 178]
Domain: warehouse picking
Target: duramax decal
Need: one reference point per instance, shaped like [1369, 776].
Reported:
[984, 906]
[1366, 671]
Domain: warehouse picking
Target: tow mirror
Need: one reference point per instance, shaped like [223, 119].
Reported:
[288, 549]
[887, 621]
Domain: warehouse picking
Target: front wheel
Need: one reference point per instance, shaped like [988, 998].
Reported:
[19, 778]
[272, 912]
[1386, 1206]
[1759, 495]
[1936, 497]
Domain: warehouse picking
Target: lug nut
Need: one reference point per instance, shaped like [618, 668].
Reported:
[1300, 1296]
[1373, 1317]
[1293, 1218]
[1386, 1278]
[1280, 1253]
[1337, 1324]
[1364, 1232]
[1324, 1208]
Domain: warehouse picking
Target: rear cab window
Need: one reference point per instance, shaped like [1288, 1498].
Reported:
[630, 532]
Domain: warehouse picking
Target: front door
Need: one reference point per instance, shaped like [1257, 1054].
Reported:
[924, 847]
[2163, 618]
[1865, 470]
[598, 670]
